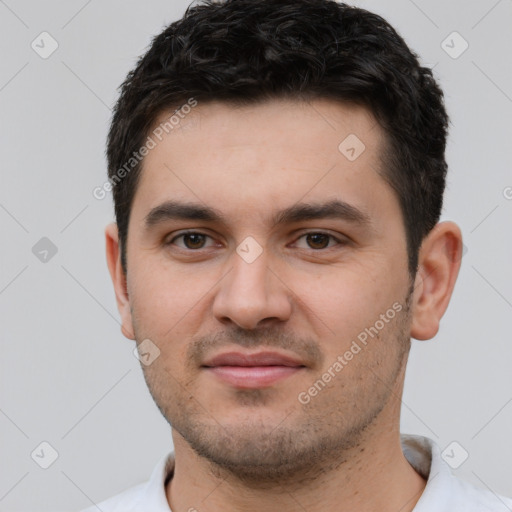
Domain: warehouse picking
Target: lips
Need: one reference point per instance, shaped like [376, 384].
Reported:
[257, 370]
[258, 359]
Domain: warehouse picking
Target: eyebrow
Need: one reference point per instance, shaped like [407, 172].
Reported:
[334, 209]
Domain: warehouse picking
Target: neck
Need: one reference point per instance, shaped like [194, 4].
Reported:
[374, 478]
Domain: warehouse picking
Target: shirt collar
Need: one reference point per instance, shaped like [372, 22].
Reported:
[154, 496]
[425, 457]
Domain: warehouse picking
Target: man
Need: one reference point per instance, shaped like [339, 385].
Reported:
[278, 173]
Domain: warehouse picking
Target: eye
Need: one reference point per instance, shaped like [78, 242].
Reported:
[191, 240]
[318, 240]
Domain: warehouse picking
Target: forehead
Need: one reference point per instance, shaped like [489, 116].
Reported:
[265, 155]
[306, 127]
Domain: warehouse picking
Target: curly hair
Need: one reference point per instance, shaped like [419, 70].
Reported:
[247, 51]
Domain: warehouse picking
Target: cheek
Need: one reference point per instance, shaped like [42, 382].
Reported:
[170, 307]
[165, 294]
[346, 306]
[348, 296]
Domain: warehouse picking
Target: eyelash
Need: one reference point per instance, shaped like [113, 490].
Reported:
[181, 235]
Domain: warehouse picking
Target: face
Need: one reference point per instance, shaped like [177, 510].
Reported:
[268, 265]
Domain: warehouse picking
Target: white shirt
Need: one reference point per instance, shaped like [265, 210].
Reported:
[443, 492]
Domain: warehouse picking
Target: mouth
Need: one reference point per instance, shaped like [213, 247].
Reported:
[252, 371]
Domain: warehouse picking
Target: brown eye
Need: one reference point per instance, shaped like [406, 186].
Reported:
[190, 241]
[318, 240]
[194, 241]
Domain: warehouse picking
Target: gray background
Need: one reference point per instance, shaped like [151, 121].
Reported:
[68, 376]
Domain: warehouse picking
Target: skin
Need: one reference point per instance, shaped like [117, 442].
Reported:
[308, 297]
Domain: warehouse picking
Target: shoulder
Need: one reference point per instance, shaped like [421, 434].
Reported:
[147, 496]
[468, 498]
[123, 502]
[445, 492]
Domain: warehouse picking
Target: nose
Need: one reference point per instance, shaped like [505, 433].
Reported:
[251, 294]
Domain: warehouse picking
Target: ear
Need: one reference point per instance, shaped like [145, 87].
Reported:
[438, 266]
[118, 279]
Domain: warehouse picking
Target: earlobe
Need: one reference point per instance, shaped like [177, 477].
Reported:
[118, 279]
[439, 264]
